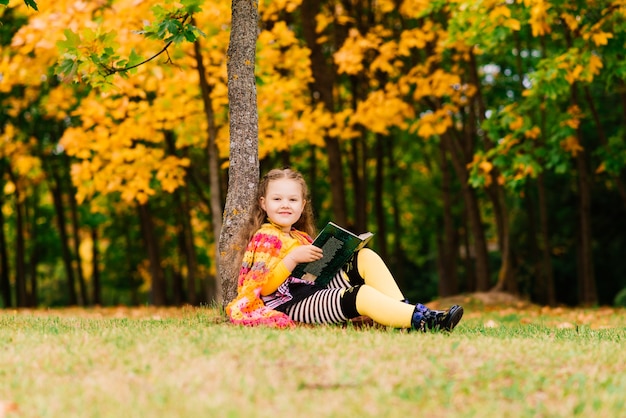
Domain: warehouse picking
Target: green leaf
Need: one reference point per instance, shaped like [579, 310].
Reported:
[71, 42]
[134, 58]
[190, 35]
[32, 4]
[4, 2]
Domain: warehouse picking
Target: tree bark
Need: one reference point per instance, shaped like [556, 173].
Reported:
[57, 197]
[506, 281]
[96, 296]
[82, 286]
[547, 273]
[586, 276]
[33, 259]
[379, 199]
[20, 247]
[244, 141]
[448, 247]
[214, 169]
[158, 288]
[5, 281]
[481, 266]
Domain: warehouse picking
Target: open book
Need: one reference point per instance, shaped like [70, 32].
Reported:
[338, 245]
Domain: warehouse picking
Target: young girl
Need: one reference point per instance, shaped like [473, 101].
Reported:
[279, 237]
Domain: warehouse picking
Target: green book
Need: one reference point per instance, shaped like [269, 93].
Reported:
[338, 245]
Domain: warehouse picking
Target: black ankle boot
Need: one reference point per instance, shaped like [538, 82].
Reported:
[425, 319]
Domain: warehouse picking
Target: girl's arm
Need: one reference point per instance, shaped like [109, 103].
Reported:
[280, 273]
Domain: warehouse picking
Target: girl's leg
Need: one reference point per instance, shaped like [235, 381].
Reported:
[322, 307]
[388, 311]
[337, 305]
[372, 270]
[382, 308]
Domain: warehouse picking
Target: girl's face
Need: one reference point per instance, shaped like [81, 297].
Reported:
[283, 202]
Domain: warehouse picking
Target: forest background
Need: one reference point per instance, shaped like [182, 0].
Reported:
[482, 141]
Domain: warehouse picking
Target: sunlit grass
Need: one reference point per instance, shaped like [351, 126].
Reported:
[516, 362]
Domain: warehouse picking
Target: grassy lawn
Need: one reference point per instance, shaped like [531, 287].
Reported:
[518, 361]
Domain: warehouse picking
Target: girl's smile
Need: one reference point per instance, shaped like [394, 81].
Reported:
[283, 202]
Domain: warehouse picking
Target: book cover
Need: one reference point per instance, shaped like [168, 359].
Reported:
[338, 245]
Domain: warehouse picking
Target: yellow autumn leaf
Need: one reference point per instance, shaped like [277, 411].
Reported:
[574, 74]
[601, 38]
[533, 133]
[513, 24]
[322, 21]
[517, 123]
[570, 21]
[539, 20]
[595, 64]
[485, 166]
[571, 145]
[498, 11]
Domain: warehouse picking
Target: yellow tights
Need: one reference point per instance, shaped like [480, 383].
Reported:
[380, 297]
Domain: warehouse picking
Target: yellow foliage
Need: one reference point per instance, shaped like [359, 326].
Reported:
[386, 6]
[485, 166]
[414, 8]
[595, 64]
[571, 145]
[349, 58]
[387, 53]
[570, 21]
[434, 123]
[382, 110]
[341, 127]
[574, 74]
[322, 21]
[517, 123]
[416, 38]
[271, 9]
[539, 18]
[533, 133]
[601, 38]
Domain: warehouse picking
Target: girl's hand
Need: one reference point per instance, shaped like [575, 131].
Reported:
[302, 254]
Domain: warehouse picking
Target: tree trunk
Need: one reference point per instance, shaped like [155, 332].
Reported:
[601, 135]
[448, 243]
[506, 280]
[20, 247]
[322, 90]
[5, 281]
[244, 141]
[82, 286]
[96, 296]
[158, 288]
[470, 199]
[57, 197]
[185, 239]
[547, 273]
[379, 197]
[33, 259]
[214, 170]
[586, 277]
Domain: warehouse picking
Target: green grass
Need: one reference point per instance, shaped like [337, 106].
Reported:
[188, 363]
